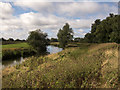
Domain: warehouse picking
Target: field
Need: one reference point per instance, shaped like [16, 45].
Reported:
[54, 43]
[11, 51]
[85, 66]
[18, 45]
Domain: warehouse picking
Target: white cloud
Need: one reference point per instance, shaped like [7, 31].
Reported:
[6, 10]
[29, 21]
[62, 0]
[81, 23]
[80, 8]
[71, 9]
[81, 30]
[38, 6]
[111, 9]
[49, 17]
[66, 8]
[38, 19]
[79, 33]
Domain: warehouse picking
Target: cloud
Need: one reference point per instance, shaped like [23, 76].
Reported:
[81, 30]
[29, 21]
[50, 17]
[38, 6]
[61, 0]
[78, 9]
[6, 10]
[39, 19]
[110, 8]
[81, 23]
[68, 9]
[61, 7]
[79, 33]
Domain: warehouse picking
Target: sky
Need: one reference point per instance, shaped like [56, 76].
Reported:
[18, 18]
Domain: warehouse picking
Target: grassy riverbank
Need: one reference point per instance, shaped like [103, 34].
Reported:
[15, 46]
[85, 66]
[11, 51]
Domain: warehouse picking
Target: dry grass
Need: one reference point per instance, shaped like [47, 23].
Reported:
[86, 66]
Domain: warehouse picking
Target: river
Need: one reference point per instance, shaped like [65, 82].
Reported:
[50, 49]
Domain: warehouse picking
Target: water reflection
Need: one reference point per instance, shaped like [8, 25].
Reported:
[50, 49]
[53, 49]
[12, 62]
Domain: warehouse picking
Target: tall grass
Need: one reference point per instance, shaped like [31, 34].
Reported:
[86, 66]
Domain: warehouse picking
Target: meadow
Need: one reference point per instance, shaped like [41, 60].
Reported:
[11, 51]
[18, 45]
[84, 66]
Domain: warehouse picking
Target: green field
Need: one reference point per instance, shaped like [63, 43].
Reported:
[85, 66]
[12, 51]
[18, 45]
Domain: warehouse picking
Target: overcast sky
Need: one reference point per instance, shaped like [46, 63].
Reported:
[18, 18]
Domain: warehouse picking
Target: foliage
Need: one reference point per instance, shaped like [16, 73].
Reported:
[104, 31]
[8, 54]
[54, 40]
[20, 40]
[78, 39]
[11, 41]
[65, 35]
[3, 39]
[38, 40]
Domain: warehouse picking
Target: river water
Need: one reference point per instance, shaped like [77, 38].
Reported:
[50, 49]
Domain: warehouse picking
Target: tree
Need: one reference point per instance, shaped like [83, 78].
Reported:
[23, 40]
[17, 40]
[3, 39]
[65, 35]
[54, 40]
[78, 39]
[38, 40]
[104, 31]
[88, 38]
[10, 39]
[94, 26]
[111, 15]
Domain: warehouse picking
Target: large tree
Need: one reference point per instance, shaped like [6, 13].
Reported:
[104, 31]
[10, 39]
[65, 35]
[38, 40]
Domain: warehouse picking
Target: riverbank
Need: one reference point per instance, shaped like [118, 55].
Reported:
[85, 66]
[17, 50]
[50, 50]
[12, 51]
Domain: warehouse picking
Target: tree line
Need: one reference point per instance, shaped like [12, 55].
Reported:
[104, 31]
[10, 41]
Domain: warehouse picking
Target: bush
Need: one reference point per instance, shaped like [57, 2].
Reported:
[38, 40]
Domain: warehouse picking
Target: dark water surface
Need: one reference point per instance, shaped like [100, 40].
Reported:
[50, 49]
